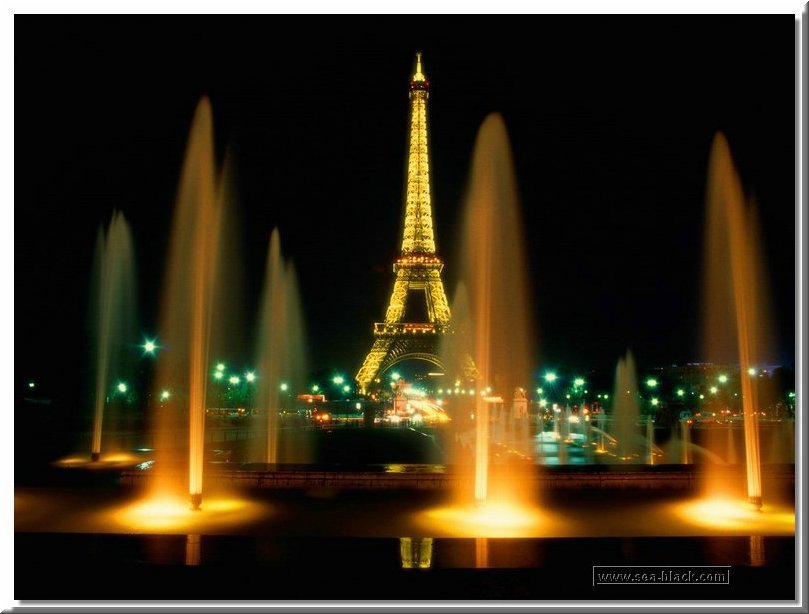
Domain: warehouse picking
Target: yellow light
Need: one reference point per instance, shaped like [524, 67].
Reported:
[734, 516]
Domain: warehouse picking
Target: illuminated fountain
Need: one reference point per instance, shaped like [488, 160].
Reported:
[737, 321]
[187, 309]
[115, 279]
[625, 409]
[494, 271]
[280, 345]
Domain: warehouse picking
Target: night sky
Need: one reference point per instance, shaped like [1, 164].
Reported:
[610, 117]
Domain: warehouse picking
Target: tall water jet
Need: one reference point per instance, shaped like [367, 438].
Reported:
[187, 308]
[625, 408]
[280, 344]
[494, 272]
[737, 324]
[113, 313]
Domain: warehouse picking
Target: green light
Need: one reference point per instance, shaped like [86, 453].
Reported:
[284, 387]
[543, 403]
[680, 392]
[150, 346]
[220, 366]
[32, 384]
[122, 387]
[550, 377]
[606, 396]
[651, 382]
[723, 379]
[395, 376]
[540, 391]
[250, 376]
[751, 371]
[791, 395]
[315, 388]
[338, 379]
[714, 389]
[164, 395]
[702, 396]
[234, 379]
[567, 396]
[579, 381]
[655, 402]
[346, 388]
[218, 375]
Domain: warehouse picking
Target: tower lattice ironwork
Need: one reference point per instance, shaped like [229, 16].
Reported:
[418, 268]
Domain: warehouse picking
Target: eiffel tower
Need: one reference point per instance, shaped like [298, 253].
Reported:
[418, 269]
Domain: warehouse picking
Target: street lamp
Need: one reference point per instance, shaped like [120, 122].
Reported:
[550, 377]
[651, 382]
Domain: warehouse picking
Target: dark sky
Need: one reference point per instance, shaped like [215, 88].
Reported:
[611, 120]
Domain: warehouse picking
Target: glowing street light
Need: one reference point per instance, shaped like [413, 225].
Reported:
[250, 376]
[680, 392]
[338, 379]
[218, 375]
[32, 384]
[149, 346]
[234, 379]
[165, 395]
[714, 389]
[655, 401]
[752, 371]
[220, 366]
[540, 391]
[723, 379]
[651, 382]
[550, 377]
[346, 388]
[122, 387]
[284, 387]
[543, 402]
[395, 376]
[578, 382]
[315, 388]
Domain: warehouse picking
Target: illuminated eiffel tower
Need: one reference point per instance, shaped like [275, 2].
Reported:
[418, 269]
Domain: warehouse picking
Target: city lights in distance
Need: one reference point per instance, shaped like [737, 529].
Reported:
[122, 387]
[165, 395]
[550, 377]
[220, 366]
[723, 379]
[751, 371]
[234, 379]
[149, 346]
[315, 388]
[655, 401]
[284, 387]
[218, 375]
[578, 382]
[651, 382]
[680, 392]
[250, 376]
[338, 379]
[714, 389]
[346, 388]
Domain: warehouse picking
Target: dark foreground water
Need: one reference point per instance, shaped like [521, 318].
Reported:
[89, 566]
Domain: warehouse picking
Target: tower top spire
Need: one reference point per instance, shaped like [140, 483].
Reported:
[419, 80]
[418, 75]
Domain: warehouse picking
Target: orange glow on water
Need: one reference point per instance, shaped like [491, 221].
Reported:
[733, 515]
[492, 519]
[107, 460]
[174, 514]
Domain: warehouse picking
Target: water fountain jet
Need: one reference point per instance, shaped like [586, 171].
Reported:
[115, 279]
